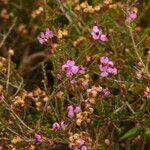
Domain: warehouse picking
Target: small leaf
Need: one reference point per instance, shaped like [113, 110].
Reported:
[131, 133]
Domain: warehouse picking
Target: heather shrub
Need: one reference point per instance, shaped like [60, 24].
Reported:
[74, 73]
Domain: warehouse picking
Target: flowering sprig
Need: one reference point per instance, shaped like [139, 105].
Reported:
[107, 67]
[132, 15]
[45, 36]
[58, 126]
[71, 69]
[98, 35]
[72, 110]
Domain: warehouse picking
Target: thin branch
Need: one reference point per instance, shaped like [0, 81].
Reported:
[7, 34]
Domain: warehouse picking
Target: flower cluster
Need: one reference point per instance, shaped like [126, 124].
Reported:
[107, 67]
[72, 110]
[58, 126]
[71, 69]
[45, 36]
[80, 141]
[98, 35]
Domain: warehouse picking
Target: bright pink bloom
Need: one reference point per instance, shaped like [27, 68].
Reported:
[63, 125]
[71, 114]
[38, 138]
[103, 38]
[70, 68]
[107, 67]
[84, 148]
[55, 126]
[131, 16]
[104, 74]
[114, 71]
[85, 83]
[96, 32]
[69, 74]
[82, 142]
[77, 109]
[104, 60]
[70, 107]
[72, 110]
[103, 68]
[70, 63]
[74, 69]
[81, 70]
[45, 36]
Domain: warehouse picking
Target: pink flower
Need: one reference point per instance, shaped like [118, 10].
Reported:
[84, 148]
[96, 32]
[38, 138]
[107, 67]
[106, 92]
[64, 67]
[74, 69]
[104, 60]
[77, 109]
[63, 125]
[82, 142]
[103, 38]
[58, 76]
[70, 107]
[70, 63]
[73, 81]
[131, 16]
[85, 83]
[104, 74]
[48, 33]
[41, 41]
[98, 35]
[55, 126]
[70, 68]
[114, 71]
[71, 114]
[72, 110]
[81, 70]
[103, 68]
[69, 74]
[45, 36]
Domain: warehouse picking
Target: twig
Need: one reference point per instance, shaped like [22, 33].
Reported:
[136, 50]
[130, 108]
[8, 73]
[7, 34]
